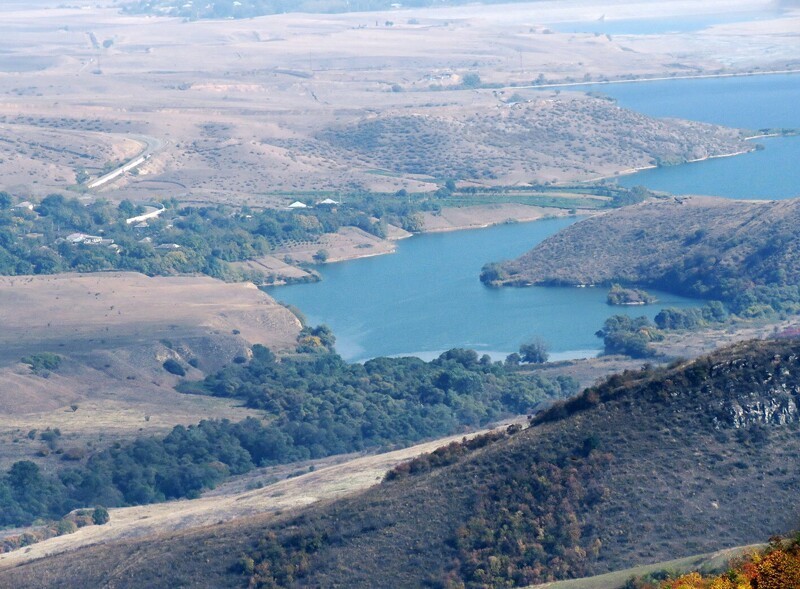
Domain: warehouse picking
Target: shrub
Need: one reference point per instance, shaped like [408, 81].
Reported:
[173, 367]
[43, 361]
[100, 516]
[534, 351]
[65, 526]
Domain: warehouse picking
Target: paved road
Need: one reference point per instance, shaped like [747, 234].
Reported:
[151, 145]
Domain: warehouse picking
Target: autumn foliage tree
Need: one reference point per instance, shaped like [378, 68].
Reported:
[777, 567]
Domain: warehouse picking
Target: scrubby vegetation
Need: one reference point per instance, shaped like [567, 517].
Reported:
[630, 337]
[320, 406]
[535, 137]
[776, 567]
[595, 484]
[619, 295]
[744, 254]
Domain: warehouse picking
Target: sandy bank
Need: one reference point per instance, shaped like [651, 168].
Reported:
[351, 243]
[481, 216]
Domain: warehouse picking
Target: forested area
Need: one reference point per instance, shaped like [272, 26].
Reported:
[191, 239]
[326, 405]
[563, 498]
[318, 406]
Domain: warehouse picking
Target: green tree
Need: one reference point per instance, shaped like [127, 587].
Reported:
[173, 367]
[534, 351]
[100, 516]
[471, 80]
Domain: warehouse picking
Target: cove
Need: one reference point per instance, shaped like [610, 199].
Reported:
[753, 102]
[426, 298]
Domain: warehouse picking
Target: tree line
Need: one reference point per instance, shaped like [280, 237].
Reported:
[197, 239]
[316, 405]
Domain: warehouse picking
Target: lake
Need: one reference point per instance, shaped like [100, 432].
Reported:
[754, 102]
[427, 298]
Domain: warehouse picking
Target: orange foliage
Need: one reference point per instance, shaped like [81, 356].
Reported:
[778, 567]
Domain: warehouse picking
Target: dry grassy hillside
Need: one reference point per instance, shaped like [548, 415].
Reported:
[646, 467]
[556, 136]
[114, 331]
[238, 106]
[53, 155]
[743, 252]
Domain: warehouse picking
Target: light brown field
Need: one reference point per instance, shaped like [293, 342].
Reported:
[239, 104]
[476, 217]
[114, 331]
[348, 243]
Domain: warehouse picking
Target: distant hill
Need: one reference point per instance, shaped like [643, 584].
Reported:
[556, 136]
[647, 466]
[746, 253]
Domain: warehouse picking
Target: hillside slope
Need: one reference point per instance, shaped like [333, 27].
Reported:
[650, 465]
[740, 251]
[113, 332]
[567, 135]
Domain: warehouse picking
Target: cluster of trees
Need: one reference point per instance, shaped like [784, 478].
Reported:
[321, 406]
[535, 351]
[208, 238]
[776, 567]
[619, 295]
[628, 336]
[521, 526]
[692, 318]
[525, 527]
[43, 362]
[147, 470]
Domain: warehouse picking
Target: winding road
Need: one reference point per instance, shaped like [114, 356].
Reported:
[151, 145]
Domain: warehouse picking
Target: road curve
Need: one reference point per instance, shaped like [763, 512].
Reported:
[151, 145]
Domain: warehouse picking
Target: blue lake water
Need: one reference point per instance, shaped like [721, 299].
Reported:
[754, 102]
[748, 102]
[427, 298]
[770, 174]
